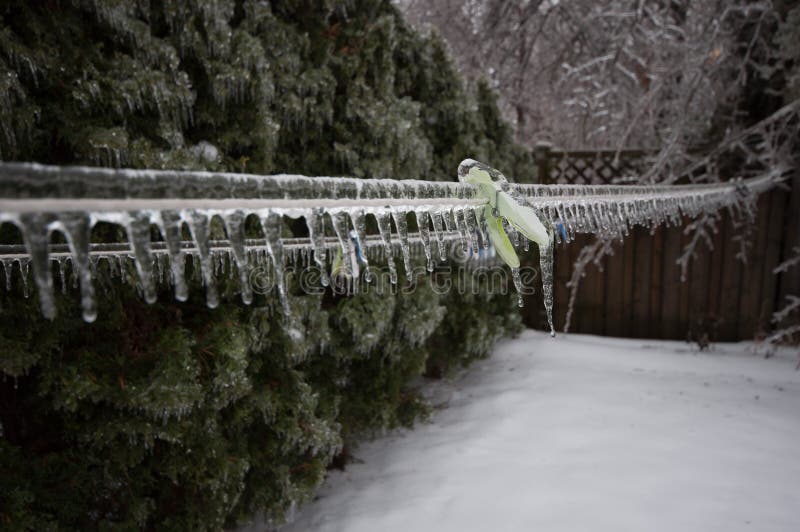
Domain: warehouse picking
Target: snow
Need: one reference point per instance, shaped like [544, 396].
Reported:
[586, 433]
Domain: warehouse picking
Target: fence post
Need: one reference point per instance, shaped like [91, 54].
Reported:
[541, 154]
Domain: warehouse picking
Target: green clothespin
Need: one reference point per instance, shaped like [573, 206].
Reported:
[502, 205]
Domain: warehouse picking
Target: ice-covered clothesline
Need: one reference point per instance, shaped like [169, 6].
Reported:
[42, 199]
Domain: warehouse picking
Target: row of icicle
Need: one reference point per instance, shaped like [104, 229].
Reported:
[40, 200]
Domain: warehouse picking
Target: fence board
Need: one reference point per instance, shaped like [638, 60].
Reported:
[642, 277]
[772, 255]
[715, 274]
[656, 283]
[563, 267]
[749, 303]
[699, 287]
[615, 301]
[789, 282]
[731, 284]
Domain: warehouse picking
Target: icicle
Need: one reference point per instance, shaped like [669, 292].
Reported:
[74, 274]
[518, 285]
[138, 228]
[385, 229]
[463, 231]
[437, 231]
[484, 235]
[234, 225]
[158, 267]
[401, 223]
[78, 232]
[198, 224]
[316, 230]
[512, 233]
[171, 231]
[546, 266]
[7, 267]
[62, 274]
[112, 265]
[447, 217]
[472, 229]
[122, 261]
[359, 219]
[272, 232]
[342, 230]
[424, 233]
[36, 233]
[24, 269]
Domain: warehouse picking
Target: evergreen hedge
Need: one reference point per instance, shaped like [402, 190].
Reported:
[173, 415]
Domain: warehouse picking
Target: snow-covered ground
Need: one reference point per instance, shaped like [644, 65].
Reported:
[586, 433]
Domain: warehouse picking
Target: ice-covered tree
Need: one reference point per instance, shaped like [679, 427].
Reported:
[172, 415]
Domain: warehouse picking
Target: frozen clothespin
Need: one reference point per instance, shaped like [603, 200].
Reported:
[501, 205]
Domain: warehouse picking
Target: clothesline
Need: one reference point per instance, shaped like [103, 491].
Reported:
[41, 199]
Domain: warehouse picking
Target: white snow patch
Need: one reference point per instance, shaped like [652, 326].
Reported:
[586, 433]
[206, 151]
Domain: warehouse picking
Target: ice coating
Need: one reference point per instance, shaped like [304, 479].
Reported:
[42, 199]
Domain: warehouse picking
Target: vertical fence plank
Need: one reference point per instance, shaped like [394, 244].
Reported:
[731, 284]
[670, 294]
[563, 269]
[699, 288]
[683, 286]
[657, 283]
[615, 302]
[751, 282]
[715, 273]
[642, 278]
[789, 282]
[772, 253]
[576, 322]
[600, 298]
[591, 297]
[629, 258]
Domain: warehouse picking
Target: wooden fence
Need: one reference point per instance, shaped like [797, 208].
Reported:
[637, 292]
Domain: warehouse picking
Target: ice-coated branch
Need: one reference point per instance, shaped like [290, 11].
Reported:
[592, 253]
[789, 263]
[701, 229]
[792, 305]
